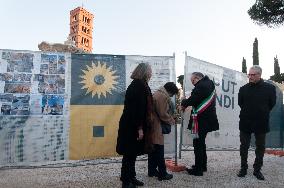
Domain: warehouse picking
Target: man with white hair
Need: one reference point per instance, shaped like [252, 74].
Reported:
[256, 99]
[203, 118]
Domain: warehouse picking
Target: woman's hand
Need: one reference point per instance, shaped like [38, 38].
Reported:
[140, 134]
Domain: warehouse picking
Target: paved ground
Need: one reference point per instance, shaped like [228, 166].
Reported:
[222, 170]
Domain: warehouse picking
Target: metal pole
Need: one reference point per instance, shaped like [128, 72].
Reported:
[282, 128]
[175, 144]
[181, 135]
[183, 89]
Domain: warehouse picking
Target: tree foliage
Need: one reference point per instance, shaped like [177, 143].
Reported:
[276, 66]
[277, 77]
[267, 12]
[180, 80]
[255, 58]
[244, 65]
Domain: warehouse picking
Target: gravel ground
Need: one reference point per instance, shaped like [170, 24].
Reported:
[222, 169]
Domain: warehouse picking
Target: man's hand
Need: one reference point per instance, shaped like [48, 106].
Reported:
[140, 134]
[181, 108]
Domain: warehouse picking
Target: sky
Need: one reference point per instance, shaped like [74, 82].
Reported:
[216, 31]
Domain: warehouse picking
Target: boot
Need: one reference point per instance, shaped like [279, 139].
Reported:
[153, 174]
[203, 168]
[242, 173]
[128, 185]
[165, 177]
[258, 175]
[136, 182]
[194, 172]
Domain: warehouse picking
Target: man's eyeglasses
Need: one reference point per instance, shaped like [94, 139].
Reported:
[252, 74]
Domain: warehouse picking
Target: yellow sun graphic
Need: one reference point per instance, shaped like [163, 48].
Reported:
[99, 79]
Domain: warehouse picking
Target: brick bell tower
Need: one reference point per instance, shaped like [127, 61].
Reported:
[81, 28]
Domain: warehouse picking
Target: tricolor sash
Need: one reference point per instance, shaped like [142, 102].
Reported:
[198, 110]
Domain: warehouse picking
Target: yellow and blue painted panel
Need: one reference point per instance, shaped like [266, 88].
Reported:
[97, 79]
[97, 94]
[93, 130]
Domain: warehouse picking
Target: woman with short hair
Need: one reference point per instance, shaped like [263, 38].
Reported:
[164, 114]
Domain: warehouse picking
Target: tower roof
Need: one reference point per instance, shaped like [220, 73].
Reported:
[81, 9]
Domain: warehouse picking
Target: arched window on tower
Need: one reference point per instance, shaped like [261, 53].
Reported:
[75, 17]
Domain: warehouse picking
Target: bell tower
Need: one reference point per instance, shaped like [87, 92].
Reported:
[81, 28]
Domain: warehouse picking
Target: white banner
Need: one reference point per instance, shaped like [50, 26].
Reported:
[227, 83]
[163, 71]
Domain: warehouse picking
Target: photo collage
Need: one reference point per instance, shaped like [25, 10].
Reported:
[21, 76]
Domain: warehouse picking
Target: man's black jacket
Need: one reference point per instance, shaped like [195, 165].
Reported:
[256, 101]
[207, 120]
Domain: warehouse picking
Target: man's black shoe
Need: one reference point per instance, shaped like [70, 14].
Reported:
[128, 185]
[154, 174]
[136, 182]
[204, 168]
[258, 175]
[165, 177]
[242, 173]
[194, 171]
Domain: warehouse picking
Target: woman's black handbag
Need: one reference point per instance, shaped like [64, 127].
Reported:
[166, 128]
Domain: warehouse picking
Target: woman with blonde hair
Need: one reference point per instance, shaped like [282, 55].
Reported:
[134, 124]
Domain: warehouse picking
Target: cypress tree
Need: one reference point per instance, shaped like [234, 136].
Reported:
[277, 77]
[244, 65]
[255, 58]
[276, 66]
